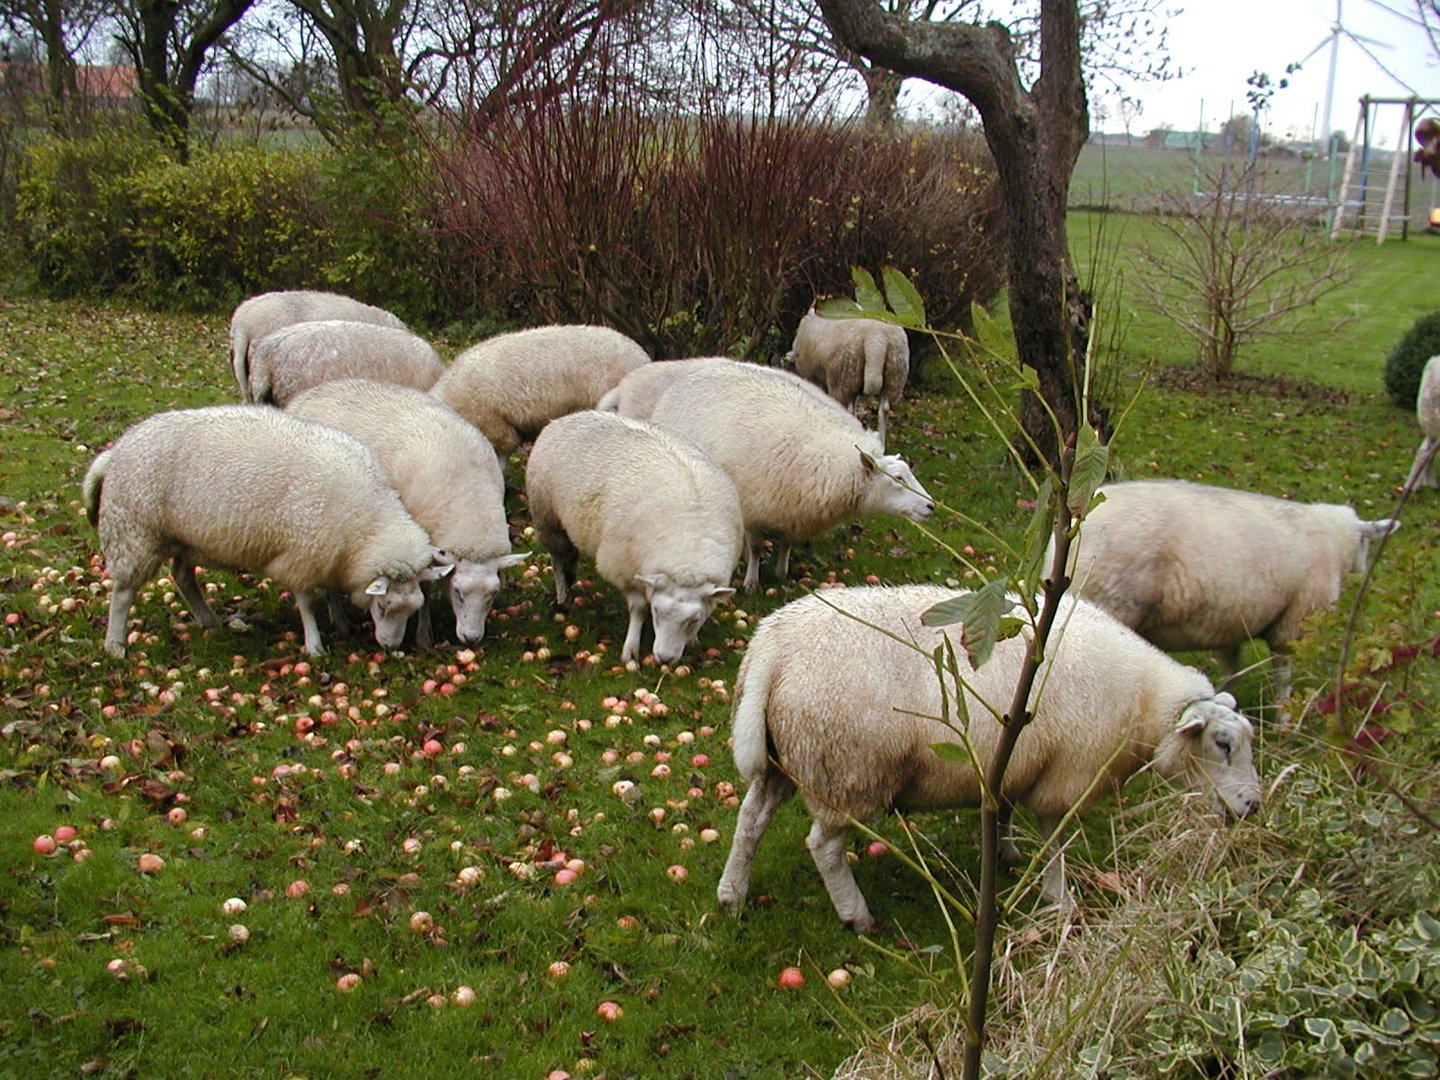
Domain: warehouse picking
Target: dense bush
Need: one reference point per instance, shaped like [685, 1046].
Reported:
[1406, 361]
[704, 235]
[113, 213]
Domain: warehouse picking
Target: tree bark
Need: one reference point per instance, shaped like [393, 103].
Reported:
[1035, 137]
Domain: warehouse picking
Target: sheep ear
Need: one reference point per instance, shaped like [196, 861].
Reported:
[436, 572]
[1374, 530]
[507, 561]
[719, 592]
[379, 587]
[440, 557]
[867, 461]
[1191, 719]
[650, 581]
[1226, 699]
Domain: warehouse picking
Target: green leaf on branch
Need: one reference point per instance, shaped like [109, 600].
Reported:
[867, 293]
[985, 617]
[1092, 459]
[904, 299]
[950, 752]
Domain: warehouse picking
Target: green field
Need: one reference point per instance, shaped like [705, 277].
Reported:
[375, 781]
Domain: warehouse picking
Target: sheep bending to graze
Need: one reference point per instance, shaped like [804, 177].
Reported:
[512, 385]
[636, 394]
[446, 474]
[801, 466]
[1427, 411]
[295, 358]
[850, 357]
[827, 700]
[1189, 566]
[660, 520]
[256, 489]
[264, 314]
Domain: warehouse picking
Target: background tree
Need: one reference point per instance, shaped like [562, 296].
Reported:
[50, 34]
[170, 42]
[1035, 136]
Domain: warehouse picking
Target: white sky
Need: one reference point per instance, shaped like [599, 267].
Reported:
[1219, 43]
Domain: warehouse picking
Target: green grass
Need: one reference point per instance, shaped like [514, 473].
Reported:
[206, 722]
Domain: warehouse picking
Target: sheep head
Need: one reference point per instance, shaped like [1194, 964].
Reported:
[1211, 747]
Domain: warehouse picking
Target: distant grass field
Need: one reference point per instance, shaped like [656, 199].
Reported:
[345, 797]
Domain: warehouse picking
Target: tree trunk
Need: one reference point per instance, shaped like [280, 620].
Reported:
[1035, 137]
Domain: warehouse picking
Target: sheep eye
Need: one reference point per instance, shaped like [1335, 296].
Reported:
[1223, 742]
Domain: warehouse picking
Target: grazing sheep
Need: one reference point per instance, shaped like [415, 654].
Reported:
[829, 701]
[1189, 566]
[801, 466]
[1427, 411]
[446, 474]
[255, 489]
[512, 385]
[295, 358]
[850, 357]
[660, 520]
[264, 314]
[636, 394]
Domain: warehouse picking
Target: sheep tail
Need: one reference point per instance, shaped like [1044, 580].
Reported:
[240, 361]
[876, 350]
[94, 482]
[749, 735]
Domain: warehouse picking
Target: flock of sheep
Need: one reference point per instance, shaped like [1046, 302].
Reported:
[361, 464]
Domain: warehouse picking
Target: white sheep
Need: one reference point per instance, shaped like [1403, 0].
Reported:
[660, 520]
[801, 466]
[854, 356]
[256, 489]
[260, 315]
[1427, 411]
[446, 474]
[636, 394]
[295, 358]
[838, 695]
[1191, 566]
[512, 385]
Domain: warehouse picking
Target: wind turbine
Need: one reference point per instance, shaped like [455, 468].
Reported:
[1337, 31]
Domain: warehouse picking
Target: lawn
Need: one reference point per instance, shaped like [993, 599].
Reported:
[407, 818]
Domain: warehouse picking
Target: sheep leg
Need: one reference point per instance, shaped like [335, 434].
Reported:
[1229, 658]
[305, 601]
[1009, 853]
[1422, 473]
[752, 563]
[121, 597]
[638, 606]
[767, 791]
[339, 617]
[827, 848]
[782, 560]
[424, 632]
[1052, 878]
[882, 416]
[184, 574]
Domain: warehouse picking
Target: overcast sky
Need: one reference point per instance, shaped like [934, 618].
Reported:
[1219, 43]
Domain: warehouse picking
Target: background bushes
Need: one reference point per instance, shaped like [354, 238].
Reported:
[1406, 362]
[695, 235]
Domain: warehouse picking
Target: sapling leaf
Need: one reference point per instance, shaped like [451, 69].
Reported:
[1027, 379]
[951, 752]
[1092, 459]
[867, 293]
[980, 614]
[838, 307]
[905, 300]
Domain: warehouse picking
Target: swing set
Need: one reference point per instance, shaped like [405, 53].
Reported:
[1367, 174]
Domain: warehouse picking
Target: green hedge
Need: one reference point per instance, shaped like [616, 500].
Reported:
[1406, 362]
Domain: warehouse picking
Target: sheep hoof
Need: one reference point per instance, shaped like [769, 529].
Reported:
[116, 649]
[864, 924]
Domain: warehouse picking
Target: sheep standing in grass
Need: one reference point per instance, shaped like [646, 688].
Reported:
[851, 357]
[660, 520]
[636, 394]
[264, 314]
[295, 358]
[838, 695]
[255, 489]
[446, 474]
[1427, 411]
[512, 385]
[1190, 566]
[801, 466]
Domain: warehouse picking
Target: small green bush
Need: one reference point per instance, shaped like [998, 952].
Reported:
[1406, 361]
[75, 209]
[229, 223]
